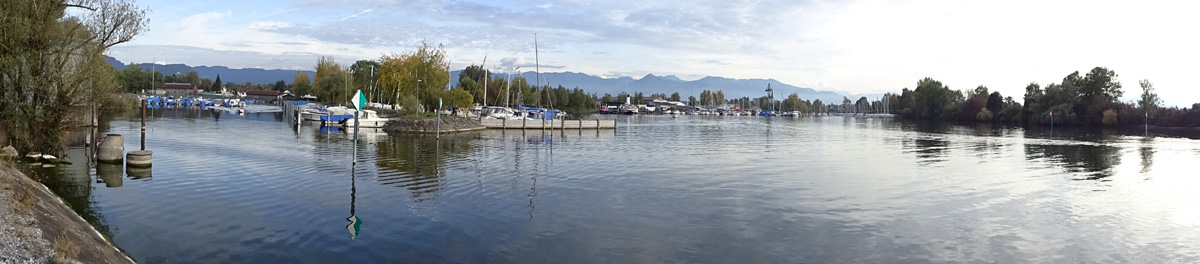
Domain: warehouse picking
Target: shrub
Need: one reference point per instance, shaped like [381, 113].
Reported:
[1110, 117]
[984, 115]
[409, 105]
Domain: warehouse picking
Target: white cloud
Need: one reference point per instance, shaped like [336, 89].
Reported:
[866, 46]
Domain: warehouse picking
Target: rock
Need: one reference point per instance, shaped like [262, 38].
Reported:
[8, 153]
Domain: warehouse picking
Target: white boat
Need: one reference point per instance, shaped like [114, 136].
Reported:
[368, 119]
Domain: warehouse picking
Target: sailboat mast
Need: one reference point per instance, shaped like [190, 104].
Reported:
[537, 67]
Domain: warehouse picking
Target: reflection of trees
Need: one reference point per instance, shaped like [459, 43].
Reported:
[1147, 153]
[72, 182]
[420, 160]
[1094, 161]
[931, 150]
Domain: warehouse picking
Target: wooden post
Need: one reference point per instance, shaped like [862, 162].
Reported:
[597, 124]
[523, 122]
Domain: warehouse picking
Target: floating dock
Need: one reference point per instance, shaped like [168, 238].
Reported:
[549, 124]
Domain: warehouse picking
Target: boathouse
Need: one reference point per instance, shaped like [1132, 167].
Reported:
[177, 89]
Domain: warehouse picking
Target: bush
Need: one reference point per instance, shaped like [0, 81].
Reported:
[1110, 117]
[409, 105]
[984, 115]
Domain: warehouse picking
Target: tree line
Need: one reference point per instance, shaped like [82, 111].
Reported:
[1091, 98]
[136, 79]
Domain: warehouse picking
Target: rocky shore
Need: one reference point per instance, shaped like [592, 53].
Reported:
[450, 124]
[37, 227]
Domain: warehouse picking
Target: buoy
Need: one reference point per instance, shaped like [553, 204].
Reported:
[139, 158]
[111, 148]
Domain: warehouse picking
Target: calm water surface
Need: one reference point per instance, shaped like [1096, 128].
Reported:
[255, 189]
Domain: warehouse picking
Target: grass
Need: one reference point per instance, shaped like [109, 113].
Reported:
[24, 198]
[421, 116]
[64, 247]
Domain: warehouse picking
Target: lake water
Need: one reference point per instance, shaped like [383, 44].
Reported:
[254, 189]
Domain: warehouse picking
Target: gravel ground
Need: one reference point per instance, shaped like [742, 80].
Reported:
[20, 239]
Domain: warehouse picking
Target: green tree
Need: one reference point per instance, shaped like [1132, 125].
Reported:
[334, 87]
[366, 78]
[51, 61]
[325, 66]
[995, 102]
[206, 84]
[458, 98]
[300, 84]
[1149, 101]
[193, 78]
[422, 73]
[932, 98]
[216, 85]
[279, 86]
[675, 97]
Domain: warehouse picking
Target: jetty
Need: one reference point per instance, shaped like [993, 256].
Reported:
[548, 124]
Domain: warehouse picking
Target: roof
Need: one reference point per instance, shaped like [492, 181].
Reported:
[176, 86]
[262, 92]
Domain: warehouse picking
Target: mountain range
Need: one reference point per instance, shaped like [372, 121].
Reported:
[253, 75]
[649, 84]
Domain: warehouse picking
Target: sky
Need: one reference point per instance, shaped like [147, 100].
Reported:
[856, 47]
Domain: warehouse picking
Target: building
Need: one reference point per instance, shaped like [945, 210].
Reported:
[177, 89]
[264, 95]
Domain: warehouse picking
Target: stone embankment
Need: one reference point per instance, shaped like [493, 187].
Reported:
[450, 124]
[37, 227]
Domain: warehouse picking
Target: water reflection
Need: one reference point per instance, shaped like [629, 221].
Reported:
[111, 174]
[72, 182]
[1090, 162]
[418, 161]
[1146, 151]
[930, 149]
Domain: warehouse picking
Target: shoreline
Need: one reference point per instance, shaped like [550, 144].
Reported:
[46, 228]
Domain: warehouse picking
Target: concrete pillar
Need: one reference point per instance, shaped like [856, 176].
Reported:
[111, 148]
[139, 158]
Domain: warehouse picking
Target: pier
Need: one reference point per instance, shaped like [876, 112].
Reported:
[548, 124]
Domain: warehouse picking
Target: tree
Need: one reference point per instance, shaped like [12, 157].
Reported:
[300, 85]
[458, 97]
[334, 87]
[692, 100]
[675, 97]
[193, 78]
[932, 98]
[51, 61]
[325, 66]
[366, 78]
[216, 85]
[980, 92]
[206, 84]
[279, 86]
[422, 73]
[1149, 101]
[995, 102]
[1100, 83]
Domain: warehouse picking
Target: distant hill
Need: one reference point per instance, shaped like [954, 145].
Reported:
[651, 84]
[253, 75]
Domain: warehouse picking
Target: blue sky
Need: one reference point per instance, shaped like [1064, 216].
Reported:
[868, 46]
